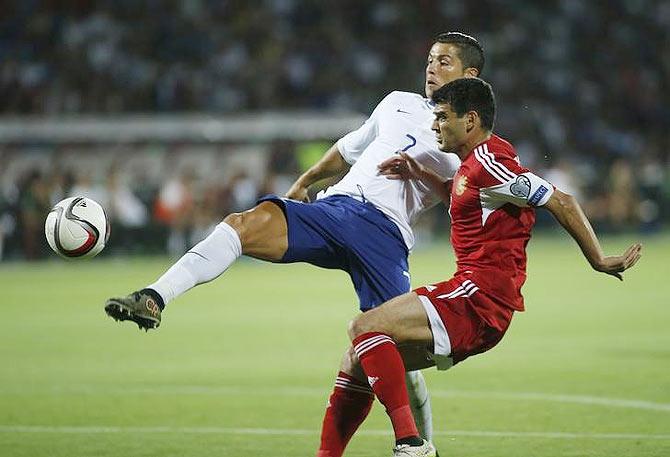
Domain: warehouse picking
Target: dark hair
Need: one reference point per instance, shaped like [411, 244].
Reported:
[470, 51]
[469, 94]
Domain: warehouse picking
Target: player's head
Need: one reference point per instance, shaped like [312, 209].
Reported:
[464, 108]
[453, 55]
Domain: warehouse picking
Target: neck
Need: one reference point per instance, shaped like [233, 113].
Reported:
[470, 144]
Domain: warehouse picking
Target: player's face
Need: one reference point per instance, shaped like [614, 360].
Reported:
[442, 66]
[449, 129]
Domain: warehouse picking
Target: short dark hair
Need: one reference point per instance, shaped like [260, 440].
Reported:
[469, 94]
[470, 51]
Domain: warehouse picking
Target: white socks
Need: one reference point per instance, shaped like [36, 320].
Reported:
[204, 262]
[419, 401]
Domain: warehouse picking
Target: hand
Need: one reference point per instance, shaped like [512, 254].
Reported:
[298, 192]
[615, 265]
[401, 166]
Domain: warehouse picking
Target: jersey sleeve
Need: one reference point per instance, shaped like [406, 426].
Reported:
[352, 145]
[503, 178]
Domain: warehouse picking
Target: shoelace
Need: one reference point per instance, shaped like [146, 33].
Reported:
[403, 447]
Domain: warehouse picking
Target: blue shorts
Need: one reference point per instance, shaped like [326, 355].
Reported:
[343, 233]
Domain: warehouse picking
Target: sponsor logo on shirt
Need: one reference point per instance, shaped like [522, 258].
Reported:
[537, 196]
[520, 187]
[461, 185]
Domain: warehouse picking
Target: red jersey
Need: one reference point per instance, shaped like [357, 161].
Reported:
[492, 214]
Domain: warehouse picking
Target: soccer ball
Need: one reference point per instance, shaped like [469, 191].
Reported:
[77, 227]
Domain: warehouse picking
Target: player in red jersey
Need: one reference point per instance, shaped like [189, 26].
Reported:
[492, 199]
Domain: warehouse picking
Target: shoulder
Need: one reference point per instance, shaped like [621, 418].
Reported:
[496, 160]
[500, 148]
[399, 98]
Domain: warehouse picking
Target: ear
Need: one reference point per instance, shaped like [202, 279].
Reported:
[471, 72]
[471, 120]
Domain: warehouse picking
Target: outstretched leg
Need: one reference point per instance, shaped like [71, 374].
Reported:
[260, 232]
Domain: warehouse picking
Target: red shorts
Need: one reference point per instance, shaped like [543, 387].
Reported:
[464, 318]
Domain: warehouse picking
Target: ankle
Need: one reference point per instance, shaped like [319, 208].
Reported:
[411, 440]
[156, 296]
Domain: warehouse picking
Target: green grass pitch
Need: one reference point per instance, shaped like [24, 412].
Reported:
[243, 366]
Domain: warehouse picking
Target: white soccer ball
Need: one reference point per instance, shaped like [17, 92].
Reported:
[77, 228]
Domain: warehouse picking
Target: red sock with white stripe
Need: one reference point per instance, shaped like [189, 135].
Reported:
[385, 370]
[348, 406]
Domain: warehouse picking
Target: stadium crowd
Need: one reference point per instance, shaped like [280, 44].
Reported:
[158, 198]
[583, 92]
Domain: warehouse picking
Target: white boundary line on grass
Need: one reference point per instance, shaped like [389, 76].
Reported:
[559, 398]
[303, 392]
[292, 432]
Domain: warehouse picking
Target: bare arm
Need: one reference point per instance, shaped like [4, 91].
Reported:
[569, 214]
[330, 165]
[406, 167]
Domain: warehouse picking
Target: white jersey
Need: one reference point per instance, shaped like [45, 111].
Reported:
[401, 122]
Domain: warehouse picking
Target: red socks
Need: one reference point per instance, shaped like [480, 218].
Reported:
[348, 406]
[385, 370]
[351, 400]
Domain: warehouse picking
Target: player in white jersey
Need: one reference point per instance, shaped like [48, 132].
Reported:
[361, 225]
[399, 123]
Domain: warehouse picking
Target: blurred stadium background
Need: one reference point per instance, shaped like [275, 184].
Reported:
[175, 113]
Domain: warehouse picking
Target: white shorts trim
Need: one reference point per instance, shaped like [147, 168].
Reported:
[441, 341]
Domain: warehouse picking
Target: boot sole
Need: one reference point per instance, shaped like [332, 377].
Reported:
[120, 312]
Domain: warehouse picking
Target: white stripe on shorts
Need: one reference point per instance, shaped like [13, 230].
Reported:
[466, 289]
[441, 341]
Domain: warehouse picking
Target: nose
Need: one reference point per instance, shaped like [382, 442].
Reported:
[434, 127]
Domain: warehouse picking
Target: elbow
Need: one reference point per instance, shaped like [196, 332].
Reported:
[563, 206]
[565, 200]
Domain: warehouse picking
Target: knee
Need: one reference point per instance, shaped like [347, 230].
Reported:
[252, 223]
[350, 362]
[352, 366]
[235, 220]
[239, 222]
[359, 325]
